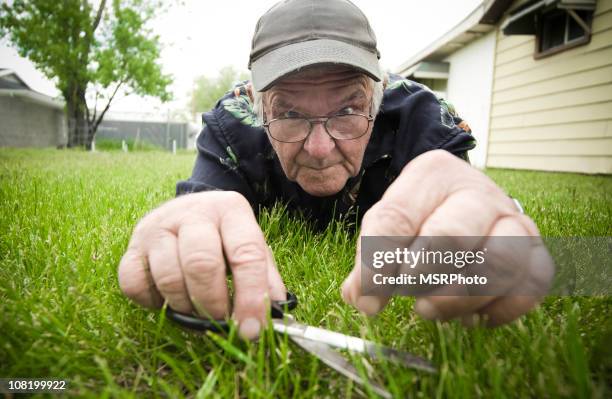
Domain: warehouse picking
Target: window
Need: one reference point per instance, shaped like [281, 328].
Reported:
[561, 29]
[557, 25]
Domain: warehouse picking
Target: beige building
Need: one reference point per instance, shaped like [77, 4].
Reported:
[29, 118]
[534, 80]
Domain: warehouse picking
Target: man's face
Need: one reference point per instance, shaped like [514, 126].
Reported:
[321, 165]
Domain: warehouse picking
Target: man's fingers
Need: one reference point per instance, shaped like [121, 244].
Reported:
[505, 309]
[351, 294]
[449, 307]
[526, 294]
[501, 271]
[404, 207]
[462, 215]
[507, 258]
[517, 266]
[278, 291]
[203, 267]
[351, 289]
[186, 244]
[368, 304]
[136, 281]
[247, 254]
[166, 271]
[423, 186]
[449, 302]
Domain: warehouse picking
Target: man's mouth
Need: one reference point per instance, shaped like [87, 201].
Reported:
[317, 167]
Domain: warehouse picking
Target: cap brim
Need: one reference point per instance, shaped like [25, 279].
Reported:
[292, 57]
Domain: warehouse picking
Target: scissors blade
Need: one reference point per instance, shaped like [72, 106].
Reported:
[338, 363]
[341, 341]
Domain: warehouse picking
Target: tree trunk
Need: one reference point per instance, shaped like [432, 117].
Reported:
[78, 126]
[90, 136]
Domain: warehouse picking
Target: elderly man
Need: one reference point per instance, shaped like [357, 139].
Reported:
[328, 134]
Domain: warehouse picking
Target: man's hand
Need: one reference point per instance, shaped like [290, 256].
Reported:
[438, 194]
[181, 251]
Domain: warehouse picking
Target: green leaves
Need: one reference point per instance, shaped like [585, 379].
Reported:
[48, 34]
[87, 47]
[207, 91]
[130, 52]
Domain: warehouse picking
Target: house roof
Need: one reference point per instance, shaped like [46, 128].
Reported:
[9, 79]
[12, 85]
[479, 22]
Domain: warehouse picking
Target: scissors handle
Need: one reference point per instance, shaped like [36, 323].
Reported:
[277, 309]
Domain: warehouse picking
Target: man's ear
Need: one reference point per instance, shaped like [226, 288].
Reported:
[249, 90]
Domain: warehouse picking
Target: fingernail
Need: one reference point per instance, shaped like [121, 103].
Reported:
[426, 309]
[368, 304]
[249, 328]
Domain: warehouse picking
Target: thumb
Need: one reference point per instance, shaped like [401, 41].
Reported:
[351, 289]
[352, 293]
[278, 292]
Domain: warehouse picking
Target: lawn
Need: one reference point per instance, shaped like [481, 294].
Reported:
[66, 218]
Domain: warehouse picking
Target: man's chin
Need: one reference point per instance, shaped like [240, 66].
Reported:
[321, 187]
[320, 191]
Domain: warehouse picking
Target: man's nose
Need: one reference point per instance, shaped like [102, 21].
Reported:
[319, 144]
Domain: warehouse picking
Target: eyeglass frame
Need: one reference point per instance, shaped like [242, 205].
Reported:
[317, 119]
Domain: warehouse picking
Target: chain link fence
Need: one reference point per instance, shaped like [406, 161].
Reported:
[147, 134]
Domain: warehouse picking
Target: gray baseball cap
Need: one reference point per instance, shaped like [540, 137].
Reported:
[295, 34]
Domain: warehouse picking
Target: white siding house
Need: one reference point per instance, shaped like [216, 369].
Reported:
[470, 81]
[533, 78]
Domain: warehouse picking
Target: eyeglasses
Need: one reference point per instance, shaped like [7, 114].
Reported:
[348, 126]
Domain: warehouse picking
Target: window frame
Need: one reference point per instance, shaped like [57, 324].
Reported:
[586, 39]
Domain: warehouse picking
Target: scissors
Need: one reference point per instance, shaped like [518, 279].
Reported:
[317, 341]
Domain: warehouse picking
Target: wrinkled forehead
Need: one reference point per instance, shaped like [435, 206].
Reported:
[334, 79]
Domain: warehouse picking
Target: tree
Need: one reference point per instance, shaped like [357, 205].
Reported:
[90, 51]
[208, 91]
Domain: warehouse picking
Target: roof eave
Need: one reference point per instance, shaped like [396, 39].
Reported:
[34, 97]
[478, 23]
[7, 72]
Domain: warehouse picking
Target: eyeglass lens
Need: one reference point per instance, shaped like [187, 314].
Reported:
[341, 127]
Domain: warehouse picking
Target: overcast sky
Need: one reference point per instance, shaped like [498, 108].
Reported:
[200, 37]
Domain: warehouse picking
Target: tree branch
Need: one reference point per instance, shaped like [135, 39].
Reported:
[98, 16]
[97, 123]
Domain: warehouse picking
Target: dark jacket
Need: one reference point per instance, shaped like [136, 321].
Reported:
[234, 152]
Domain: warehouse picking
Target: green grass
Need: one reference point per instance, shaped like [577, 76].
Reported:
[65, 220]
[105, 144]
